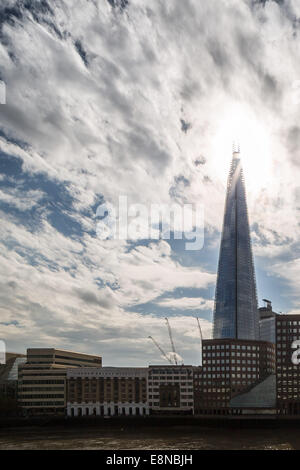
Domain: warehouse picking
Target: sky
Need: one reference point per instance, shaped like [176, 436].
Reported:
[110, 98]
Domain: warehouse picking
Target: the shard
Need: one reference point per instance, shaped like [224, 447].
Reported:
[235, 310]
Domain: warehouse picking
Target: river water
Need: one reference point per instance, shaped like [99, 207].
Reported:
[173, 438]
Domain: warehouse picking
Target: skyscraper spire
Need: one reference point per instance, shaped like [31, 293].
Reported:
[235, 311]
[235, 147]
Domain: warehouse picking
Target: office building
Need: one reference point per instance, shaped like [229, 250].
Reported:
[9, 374]
[287, 372]
[230, 367]
[235, 310]
[267, 322]
[170, 389]
[42, 379]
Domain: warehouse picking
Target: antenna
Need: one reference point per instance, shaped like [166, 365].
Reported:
[171, 341]
[235, 147]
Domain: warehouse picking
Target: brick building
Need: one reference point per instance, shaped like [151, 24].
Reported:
[229, 367]
[287, 373]
[108, 391]
[171, 389]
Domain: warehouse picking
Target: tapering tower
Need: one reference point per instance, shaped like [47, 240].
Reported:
[235, 311]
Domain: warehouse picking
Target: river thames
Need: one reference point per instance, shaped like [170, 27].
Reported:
[176, 437]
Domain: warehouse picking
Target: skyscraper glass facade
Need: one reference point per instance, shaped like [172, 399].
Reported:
[235, 310]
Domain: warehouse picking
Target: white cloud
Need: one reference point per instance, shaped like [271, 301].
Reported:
[186, 303]
[113, 128]
[22, 201]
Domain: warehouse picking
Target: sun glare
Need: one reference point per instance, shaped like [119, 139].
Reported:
[242, 127]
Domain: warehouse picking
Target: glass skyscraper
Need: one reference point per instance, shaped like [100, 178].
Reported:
[235, 311]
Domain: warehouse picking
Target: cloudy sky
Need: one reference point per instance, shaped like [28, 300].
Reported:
[114, 97]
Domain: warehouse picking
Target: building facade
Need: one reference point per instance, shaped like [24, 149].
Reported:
[235, 310]
[9, 374]
[170, 389]
[109, 391]
[230, 367]
[42, 379]
[267, 320]
[287, 373]
[9, 383]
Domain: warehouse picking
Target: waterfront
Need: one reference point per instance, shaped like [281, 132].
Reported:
[175, 437]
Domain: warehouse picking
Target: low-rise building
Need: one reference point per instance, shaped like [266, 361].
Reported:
[198, 387]
[9, 374]
[42, 379]
[9, 383]
[287, 373]
[109, 391]
[170, 389]
[229, 367]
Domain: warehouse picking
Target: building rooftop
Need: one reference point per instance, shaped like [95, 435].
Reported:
[63, 351]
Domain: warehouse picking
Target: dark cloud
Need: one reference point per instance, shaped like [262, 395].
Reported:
[121, 4]
[247, 46]
[293, 144]
[176, 191]
[82, 52]
[144, 146]
[207, 179]
[91, 298]
[219, 54]
[185, 126]
[200, 161]
[40, 10]
[190, 88]
[270, 86]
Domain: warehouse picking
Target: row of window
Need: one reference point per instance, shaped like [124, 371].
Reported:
[214, 376]
[235, 382]
[282, 324]
[157, 404]
[290, 389]
[228, 361]
[56, 395]
[208, 368]
[175, 379]
[289, 396]
[228, 354]
[27, 373]
[105, 379]
[33, 382]
[110, 411]
[287, 338]
[156, 389]
[43, 403]
[170, 371]
[41, 389]
[106, 400]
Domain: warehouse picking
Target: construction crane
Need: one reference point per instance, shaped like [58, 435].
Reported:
[200, 331]
[160, 349]
[171, 341]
